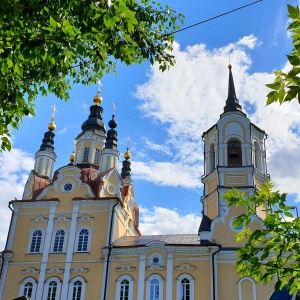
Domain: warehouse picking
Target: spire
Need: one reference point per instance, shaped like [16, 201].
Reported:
[110, 153]
[232, 102]
[45, 156]
[126, 170]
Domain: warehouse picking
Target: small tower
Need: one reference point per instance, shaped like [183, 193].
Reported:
[126, 170]
[235, 156]
[45, 157]
[110, 154]
[90, 141]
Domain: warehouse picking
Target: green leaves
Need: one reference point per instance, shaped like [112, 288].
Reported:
[274, 249]
[286, 86]
[46, 47]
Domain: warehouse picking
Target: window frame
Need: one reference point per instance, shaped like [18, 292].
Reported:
[191, 283]
[31, 241]
[88, 241]
[118, 287]
[97, 156]
[71, 287]
[47, 285]
[34, 287]
[64, 240]
[160, 286]
[86, 154]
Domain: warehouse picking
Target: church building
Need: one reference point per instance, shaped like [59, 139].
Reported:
[75, 234]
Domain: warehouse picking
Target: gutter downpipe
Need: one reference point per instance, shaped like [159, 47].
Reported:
[109, 250]
[214, 272]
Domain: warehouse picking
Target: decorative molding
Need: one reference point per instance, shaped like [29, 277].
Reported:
[155, 267]
[55, 270]
[39, 219]
[185, 266]
[31, 270]
[79, 269]
[60, 219]
[86, 218]
[32, 204]
[127, 268]
[90, 202]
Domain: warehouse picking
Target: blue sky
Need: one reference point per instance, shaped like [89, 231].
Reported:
[166, 114]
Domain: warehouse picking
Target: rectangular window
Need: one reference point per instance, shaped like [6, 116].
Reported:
[97, 156]
[86, 154]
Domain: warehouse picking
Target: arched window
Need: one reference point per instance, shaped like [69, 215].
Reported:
[28, 288]
[35, 243]
[155, 287]
[234, 153]
[124, 290]
[52, 289]
[185, 287]
[59, 241]
[77, 288]
[83, 240]
[246, 288]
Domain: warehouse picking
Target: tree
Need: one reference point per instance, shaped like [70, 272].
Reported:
[47, 46]
[286, 85]
[273, 250]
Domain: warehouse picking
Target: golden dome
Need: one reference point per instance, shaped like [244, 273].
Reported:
[52, 126]
[97, 99]
[127, 154]
[72, 157]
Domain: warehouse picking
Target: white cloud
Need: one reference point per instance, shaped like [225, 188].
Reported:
[250, 41]
[189, 99]
[167, 174]
[157, 147]
[14, 169]
[159, 220]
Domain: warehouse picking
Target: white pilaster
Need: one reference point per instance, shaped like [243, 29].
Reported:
[141, 282]
[6, 257]
[46, 250]
[72, 235]
[169, 276]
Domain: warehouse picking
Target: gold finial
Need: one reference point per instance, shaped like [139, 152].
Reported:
[98, 99]
[229, 66]
[72, 156]
[52, 126]
[127, 154]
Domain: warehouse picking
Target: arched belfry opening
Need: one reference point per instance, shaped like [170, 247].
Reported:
[234, 153]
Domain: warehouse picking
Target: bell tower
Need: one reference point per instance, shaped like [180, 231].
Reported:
[234, 156]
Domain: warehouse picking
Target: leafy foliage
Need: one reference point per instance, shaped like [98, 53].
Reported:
[46, 46]
[286, 86]
[274, 249]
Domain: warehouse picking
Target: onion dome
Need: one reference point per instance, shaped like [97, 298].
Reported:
[97, 99]
[51, 125]
[72, 156]
[127, 154]
[112, 123]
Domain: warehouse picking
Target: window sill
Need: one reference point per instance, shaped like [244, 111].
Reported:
[82, 253]
[34, 253]
[57, 253]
